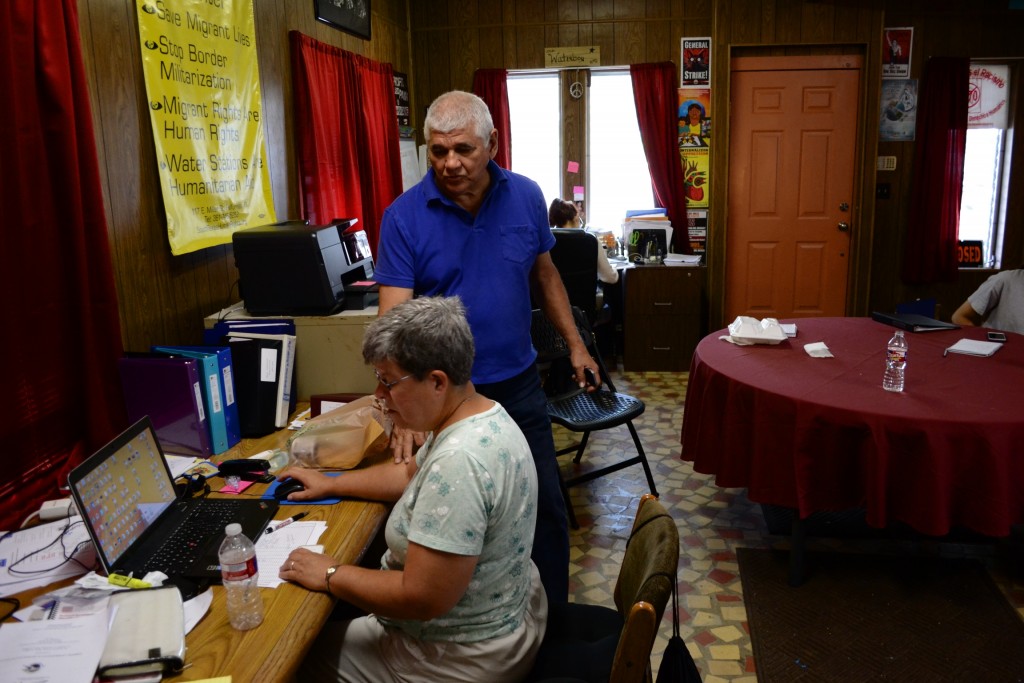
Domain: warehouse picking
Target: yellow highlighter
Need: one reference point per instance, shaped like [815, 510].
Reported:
[127, 581]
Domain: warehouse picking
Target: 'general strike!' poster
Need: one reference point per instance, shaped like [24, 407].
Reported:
[203, 88]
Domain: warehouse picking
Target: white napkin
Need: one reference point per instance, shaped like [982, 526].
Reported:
[818, 350]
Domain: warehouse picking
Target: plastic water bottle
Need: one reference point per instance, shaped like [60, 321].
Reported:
[239, 573]
[895, 362]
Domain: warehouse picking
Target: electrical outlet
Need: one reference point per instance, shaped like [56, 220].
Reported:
[57, 509]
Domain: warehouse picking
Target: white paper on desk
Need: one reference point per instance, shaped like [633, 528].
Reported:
[52, 651]
[35, 557]
[273, 549]
[179, 464]
[196, 608]
[818, 350]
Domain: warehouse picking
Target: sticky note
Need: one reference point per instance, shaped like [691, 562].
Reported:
[577, 193]
[241, 486]
[573, 167]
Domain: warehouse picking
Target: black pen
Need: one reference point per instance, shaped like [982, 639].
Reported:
[286, 522]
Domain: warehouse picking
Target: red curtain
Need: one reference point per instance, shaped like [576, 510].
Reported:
[657, 107]
[929, 253]
[346, 128]
[61, 395]
[491, 85]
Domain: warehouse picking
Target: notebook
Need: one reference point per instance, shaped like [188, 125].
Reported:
[913, 322]
[126, 496]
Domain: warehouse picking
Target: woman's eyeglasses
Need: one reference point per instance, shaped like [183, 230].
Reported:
[388, 385]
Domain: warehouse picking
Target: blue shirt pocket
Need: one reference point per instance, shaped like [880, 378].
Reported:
[518, 243]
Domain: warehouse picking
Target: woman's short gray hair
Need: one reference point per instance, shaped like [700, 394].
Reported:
[458, 109]
[421, 335]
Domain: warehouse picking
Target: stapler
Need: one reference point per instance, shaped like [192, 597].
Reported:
[241, 466]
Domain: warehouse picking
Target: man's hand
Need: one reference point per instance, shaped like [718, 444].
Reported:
[581, 363]
[404, 443]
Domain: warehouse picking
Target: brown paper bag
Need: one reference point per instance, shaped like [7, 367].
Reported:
[341, 438]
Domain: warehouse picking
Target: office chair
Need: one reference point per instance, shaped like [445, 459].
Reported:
[575, 258]
[592, 643]
[578, 410]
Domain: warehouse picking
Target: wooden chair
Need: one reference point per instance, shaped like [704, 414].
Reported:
[588, 643]
[579, 410]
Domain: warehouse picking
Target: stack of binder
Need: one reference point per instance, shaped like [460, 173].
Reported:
[263, 355]
[218, 390]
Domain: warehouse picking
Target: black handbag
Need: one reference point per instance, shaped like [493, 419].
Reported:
[677, 666]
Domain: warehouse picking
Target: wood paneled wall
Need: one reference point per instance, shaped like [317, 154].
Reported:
[439, 43]
[452, 38]
[164, 298]
[980, 30]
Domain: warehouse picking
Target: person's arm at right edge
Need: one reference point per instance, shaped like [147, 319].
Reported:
[391, 297]
[382, 481]
[966, 316]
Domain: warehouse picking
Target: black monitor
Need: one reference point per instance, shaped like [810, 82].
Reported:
[293, 268]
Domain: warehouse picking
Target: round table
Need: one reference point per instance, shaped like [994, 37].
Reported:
[820, 434]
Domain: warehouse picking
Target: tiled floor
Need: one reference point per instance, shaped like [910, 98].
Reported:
[712, 523]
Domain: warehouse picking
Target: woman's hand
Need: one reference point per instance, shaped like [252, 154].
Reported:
[404, 443]
[317, 485]
[307, 569]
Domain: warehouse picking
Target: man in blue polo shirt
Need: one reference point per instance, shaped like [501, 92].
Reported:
[473, 229]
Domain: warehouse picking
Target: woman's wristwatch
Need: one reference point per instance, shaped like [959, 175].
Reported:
[327, 578]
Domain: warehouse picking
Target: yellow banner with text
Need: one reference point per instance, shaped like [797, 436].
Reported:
[203, 88]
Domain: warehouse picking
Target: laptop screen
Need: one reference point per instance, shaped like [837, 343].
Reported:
[123, 489]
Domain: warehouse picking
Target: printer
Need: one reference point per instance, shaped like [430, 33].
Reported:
[293, 268]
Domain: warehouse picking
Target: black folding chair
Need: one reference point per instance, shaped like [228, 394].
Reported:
[581, 411]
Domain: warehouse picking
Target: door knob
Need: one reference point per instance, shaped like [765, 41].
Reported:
[843, 226]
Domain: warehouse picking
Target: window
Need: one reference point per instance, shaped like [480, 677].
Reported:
[980, 217]
[618, 177]
[534, 109]
[982, 205]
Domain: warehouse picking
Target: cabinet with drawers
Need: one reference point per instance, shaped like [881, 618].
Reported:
[664, 316]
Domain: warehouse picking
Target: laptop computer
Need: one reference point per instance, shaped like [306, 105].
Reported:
[126, 496]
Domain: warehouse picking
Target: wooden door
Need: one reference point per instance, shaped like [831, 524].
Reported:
[791, 169]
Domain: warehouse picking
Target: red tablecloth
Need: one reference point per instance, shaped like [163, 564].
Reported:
[820, 434]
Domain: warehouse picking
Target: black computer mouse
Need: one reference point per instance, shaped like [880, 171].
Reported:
[288, 486]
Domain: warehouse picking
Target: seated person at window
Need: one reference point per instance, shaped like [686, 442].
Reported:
[998, 303]
[563, 214]
[457, 597]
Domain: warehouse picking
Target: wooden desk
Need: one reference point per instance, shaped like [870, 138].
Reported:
[664, 316]
[293, 615]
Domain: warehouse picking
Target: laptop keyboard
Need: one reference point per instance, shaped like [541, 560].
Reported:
[181, 549]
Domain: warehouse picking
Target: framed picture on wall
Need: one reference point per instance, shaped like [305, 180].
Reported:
[351, 16]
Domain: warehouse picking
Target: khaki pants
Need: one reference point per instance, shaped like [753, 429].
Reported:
[362, 650]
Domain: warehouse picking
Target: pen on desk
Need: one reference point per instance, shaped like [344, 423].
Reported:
[286, 522]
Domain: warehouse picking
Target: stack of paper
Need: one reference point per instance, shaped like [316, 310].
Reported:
[272, 549]
[973, 347]
[691, 260]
